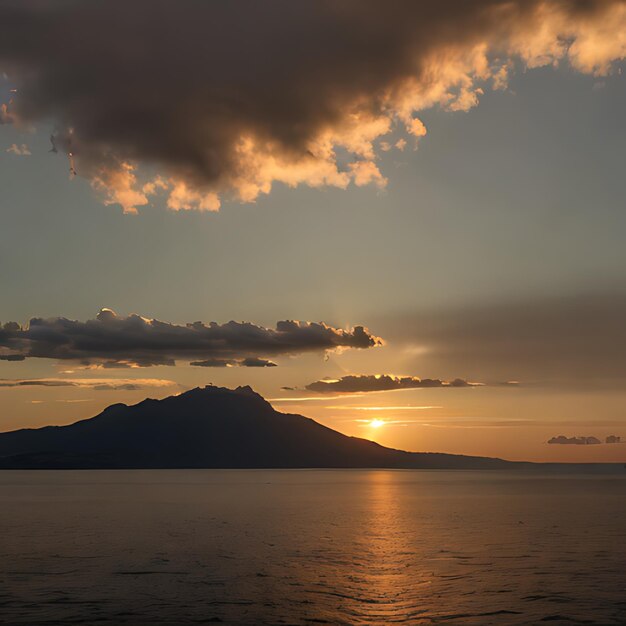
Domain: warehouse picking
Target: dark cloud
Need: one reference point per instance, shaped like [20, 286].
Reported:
[576, 441]
[112, 341]
[249, 362]
[256, 362]
[213, 363]
[234, 96]
[584, 441]
[577, 341]
[382, 382]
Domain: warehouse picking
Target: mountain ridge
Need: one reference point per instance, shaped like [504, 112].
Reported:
[210, 427]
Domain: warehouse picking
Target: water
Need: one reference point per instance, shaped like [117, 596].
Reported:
[309, 547]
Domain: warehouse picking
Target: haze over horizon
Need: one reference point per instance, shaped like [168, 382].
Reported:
[436, 194]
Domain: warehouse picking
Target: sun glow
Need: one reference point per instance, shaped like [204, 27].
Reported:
[376, 423]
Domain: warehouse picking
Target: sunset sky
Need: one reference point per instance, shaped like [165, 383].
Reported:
[436, 194]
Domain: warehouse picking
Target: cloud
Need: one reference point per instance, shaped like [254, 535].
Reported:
[21, 150]
[12, 357]
[256, 362]
[574, 341]
[381, 382]
[98, 384]
[233, 97]
[214, 363]
[576, 441]
[114, 341]
[249, 362]
[584, 441]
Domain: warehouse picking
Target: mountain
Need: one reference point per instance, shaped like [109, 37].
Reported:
[210, 427]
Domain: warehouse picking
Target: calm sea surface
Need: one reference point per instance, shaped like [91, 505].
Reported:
[307, 547]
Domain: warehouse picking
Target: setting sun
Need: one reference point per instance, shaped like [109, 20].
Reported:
[376, 423]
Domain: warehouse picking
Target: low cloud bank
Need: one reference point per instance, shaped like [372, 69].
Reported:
[97, 384]
[382, 382]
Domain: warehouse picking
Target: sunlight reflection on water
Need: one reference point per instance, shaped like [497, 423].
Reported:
[299, 547]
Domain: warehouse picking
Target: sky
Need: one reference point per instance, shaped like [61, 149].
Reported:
[434, 191]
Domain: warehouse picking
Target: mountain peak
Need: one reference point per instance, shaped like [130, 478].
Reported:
[215, 398]
[211, 390]
[246, 390]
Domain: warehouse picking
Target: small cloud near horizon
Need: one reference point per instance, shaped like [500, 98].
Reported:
[583, 441]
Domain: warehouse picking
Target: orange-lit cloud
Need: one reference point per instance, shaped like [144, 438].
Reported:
[19, 150]
[243, 96]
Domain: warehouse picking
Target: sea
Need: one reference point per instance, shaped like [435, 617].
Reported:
[313, 547]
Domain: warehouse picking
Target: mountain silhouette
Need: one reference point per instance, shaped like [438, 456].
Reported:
[210, 427]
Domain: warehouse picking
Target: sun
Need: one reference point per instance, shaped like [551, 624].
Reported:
[376, 423]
